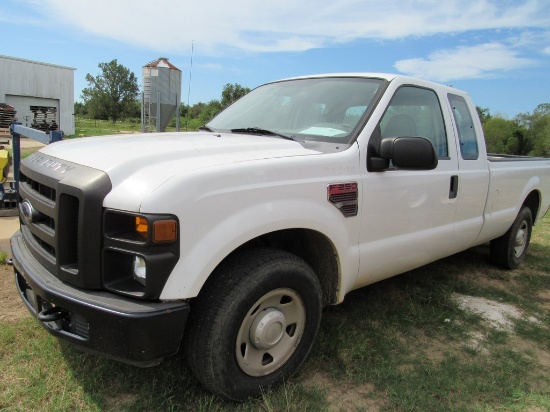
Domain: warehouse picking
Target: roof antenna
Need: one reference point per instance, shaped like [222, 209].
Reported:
[189, 90]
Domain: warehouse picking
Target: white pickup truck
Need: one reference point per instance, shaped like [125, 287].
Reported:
[229, 241]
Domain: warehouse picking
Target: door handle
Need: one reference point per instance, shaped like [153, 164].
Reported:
[453, 191]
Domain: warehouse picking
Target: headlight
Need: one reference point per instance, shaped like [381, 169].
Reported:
[140, 270]
[140, 250]
[144, 229]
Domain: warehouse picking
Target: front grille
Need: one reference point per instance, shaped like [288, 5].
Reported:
[68, 256]
[40, 189]
[61, 215]
[49, 249]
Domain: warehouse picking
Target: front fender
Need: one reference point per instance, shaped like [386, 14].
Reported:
[220, 238]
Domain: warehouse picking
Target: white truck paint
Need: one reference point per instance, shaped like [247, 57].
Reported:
[241, 194]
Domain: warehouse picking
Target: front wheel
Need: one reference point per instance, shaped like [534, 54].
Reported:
[509, 250]
[254, 323]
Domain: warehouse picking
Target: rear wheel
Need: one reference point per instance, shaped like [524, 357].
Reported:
[254, 323]
[509, 250]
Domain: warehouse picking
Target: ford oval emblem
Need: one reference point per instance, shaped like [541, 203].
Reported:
[27, 211]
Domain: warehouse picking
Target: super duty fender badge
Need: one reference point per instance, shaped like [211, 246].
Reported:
[345, 197]
[51, 164]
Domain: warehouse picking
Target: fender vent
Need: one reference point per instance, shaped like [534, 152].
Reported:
[344, 196]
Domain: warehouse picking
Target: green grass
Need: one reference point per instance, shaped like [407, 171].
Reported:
[399, 345]
[91, 127]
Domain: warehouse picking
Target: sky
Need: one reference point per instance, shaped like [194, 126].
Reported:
[496, 50]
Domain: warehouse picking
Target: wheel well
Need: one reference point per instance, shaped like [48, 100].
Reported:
[533, 202]
[313, 247]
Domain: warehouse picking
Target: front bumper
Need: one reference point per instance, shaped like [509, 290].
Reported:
[136, 332]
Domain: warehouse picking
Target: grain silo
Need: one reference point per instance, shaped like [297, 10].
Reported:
[161, 95]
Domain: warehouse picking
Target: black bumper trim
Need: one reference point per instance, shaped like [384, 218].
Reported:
[132, 331]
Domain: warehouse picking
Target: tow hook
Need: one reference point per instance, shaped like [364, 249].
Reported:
[52, 314]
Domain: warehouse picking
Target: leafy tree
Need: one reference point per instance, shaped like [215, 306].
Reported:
[211, 109]
[501, 135]
[134, 109]
[231, 93]
[80, 109]
[526, 134]
[537, 129]
[483, 113]
[111, 94]
[192, 117]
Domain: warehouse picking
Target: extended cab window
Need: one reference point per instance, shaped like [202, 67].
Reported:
[416, 112]
[465, 126]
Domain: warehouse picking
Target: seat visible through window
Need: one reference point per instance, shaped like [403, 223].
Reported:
[400, 125]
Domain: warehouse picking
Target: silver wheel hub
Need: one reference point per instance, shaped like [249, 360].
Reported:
[520, 242]
[270, 332]
[267, 329]
[520, 238]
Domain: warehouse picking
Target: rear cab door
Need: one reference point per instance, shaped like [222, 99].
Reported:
[473, 171]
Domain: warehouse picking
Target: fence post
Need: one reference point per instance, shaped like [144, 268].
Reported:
[16, 144]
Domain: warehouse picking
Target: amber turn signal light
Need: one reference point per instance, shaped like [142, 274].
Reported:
[165, 231]
[142, 226]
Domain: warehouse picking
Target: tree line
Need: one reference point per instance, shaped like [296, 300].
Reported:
[527, 134]
[114, 95]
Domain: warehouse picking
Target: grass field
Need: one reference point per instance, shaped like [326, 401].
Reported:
[91, 127]
[403, 344]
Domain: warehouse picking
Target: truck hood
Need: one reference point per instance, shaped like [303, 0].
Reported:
[139, 163]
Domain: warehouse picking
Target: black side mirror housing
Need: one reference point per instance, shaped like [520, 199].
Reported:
[409, 153]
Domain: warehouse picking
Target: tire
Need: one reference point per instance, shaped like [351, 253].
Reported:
[254, 323]
[509, 250]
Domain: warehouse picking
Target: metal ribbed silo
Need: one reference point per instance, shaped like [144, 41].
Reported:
[161, 95]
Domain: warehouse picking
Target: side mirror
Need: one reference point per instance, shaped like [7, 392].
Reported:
[411, 153]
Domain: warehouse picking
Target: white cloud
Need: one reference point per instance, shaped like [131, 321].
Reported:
[223, 27]
[464, 63]
[533, 40]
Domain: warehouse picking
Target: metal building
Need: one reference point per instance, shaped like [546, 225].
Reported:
[41, 93]
[161, 95]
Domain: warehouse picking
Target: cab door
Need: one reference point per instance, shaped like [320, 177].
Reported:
[473, 173]
[408, 215]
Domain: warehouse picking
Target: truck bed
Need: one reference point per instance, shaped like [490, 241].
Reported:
[494, 157]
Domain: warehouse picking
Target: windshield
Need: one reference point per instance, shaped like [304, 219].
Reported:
[327, 109]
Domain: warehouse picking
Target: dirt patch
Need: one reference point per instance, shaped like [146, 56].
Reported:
[342, 396]
[13, 308]
[539, 356]
[500, 316]
[120, 402]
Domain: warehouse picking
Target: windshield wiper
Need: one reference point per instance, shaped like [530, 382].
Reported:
[206, 128]
[261, 131]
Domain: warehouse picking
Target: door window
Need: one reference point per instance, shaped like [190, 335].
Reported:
[465, 126]
[416, 112]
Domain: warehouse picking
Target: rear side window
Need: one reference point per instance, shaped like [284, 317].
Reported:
[416, 112]
[465, 126]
